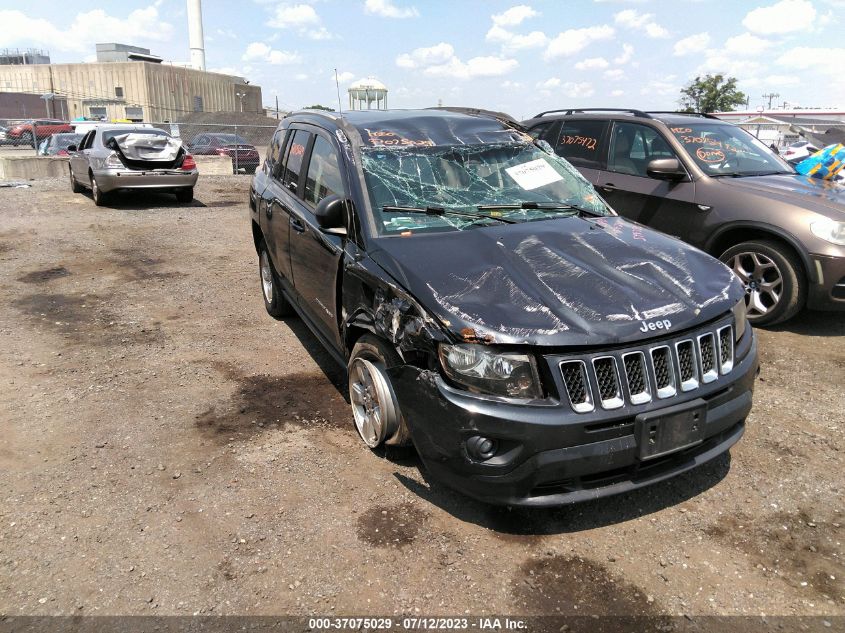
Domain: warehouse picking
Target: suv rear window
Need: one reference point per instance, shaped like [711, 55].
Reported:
[581, 142]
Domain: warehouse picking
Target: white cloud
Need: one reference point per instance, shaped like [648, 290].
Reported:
[296, 15]
[662, 87]
[592, 63]
[617, 93]
[427, 56]
[730, 65]
[515, 41]
[552, 82]
[343, 77]
[746, 45]
[633, 19]
[510, 85]
[807, 57]
[514, 16]
[774, 81]
[572, 41]
[786, 16]
[625, 56]
[614, 74]
[141, 25]
[386, 9]
[259, 51]
[576, 90]
[693, 44]
[475, 67]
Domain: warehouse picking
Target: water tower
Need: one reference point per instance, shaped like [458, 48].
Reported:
[366, 92]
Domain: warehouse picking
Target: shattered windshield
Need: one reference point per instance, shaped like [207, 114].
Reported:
[455, 187]
[727, 150]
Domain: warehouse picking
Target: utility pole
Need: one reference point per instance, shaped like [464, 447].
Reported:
[771, 96]
[277, 107]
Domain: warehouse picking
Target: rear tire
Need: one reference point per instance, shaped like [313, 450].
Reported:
[185, 195]
[275, 303]
[99, 197]
[375, 409]
[776, 289]
[75, 187]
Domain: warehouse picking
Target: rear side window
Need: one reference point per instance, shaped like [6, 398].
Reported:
[581, 142]
[275, 149]
[540, 131]
[293, 159]
[323, 177]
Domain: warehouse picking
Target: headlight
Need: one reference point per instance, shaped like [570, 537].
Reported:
[740, 312]
[830, 231]
[482, 370]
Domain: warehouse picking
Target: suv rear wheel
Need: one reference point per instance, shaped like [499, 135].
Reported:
[774, 282]
[374, 405]
[275, 303]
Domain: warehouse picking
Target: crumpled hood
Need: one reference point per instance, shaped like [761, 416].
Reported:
[562, 282]
[802, 191]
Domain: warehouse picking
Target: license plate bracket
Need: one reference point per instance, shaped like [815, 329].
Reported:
[669, 430]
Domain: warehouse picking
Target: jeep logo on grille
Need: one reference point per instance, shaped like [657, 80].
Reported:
[650, 326]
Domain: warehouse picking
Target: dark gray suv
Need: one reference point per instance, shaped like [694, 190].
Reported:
[716, 186]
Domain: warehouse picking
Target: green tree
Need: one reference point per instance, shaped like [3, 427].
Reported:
[712, 93]
[317, 106]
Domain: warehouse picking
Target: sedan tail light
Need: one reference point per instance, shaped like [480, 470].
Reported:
[62, 152]
[188, 163]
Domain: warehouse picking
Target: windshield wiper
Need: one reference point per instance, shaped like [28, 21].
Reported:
[431, 210]
[541, 206]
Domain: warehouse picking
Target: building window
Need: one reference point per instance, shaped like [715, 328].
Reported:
[198, 104]
[118, 92]
[134, 114]
[97, 112]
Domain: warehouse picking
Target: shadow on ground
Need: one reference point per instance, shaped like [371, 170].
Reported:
[812, 323]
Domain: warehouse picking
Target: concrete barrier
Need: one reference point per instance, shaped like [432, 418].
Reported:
[41, 167]
[33, 167]
[214, 165]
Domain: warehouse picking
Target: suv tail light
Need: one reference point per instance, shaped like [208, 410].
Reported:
[188, 163]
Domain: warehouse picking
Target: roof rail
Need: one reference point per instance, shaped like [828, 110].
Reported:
[703, 115]
[502, 117]
[568, 111]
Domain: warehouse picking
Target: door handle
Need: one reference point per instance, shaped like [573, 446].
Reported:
[297, 224]
[609, 187]
[268, 210]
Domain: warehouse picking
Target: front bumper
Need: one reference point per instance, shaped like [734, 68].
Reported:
[828, 293]
[548, 454]
[111, 179]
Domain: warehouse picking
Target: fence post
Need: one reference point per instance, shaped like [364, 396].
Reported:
[34, 137]
[237, 147]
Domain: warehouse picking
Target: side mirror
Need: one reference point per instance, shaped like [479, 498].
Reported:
[666, 169]
[331, 212]
[71, 148]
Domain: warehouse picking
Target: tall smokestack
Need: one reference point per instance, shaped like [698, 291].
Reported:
[195, 34]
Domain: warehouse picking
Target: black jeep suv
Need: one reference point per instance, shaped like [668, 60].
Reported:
[717, 187]
[534, 347]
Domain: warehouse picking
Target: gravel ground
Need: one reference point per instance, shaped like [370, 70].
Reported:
[167, 448]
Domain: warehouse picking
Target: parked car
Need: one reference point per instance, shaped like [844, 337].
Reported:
[23, 133]
[111, 157]
[798, 151]
[714, 185]
[490, 308]
[57, 144]
[243, 154]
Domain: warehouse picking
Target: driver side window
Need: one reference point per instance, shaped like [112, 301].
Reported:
[633, 146]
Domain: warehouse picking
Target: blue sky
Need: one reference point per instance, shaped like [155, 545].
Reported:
[519, 57]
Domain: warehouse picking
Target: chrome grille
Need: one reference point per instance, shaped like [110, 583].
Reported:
[635, 376]
[577, 388]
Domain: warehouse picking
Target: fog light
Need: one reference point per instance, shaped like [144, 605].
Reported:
[481, 448]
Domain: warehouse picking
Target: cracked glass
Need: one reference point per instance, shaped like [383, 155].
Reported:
[442, 187]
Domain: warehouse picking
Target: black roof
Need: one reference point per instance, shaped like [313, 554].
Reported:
[605, 113]
[429, 127]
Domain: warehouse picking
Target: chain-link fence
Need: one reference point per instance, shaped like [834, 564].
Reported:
[245, 144]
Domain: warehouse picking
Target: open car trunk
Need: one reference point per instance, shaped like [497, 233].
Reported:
[148, 151]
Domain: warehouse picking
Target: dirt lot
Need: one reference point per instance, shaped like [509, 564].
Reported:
[167, 448]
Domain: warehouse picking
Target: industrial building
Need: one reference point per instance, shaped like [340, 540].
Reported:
[127, 82]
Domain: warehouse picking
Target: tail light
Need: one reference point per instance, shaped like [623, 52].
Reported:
[188, 163]
[113, 161]
[62, 152]
[221, 151]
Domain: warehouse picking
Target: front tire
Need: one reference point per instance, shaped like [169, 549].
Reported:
[775, 288]
[375, 409]
[75, 187]
[275, 303]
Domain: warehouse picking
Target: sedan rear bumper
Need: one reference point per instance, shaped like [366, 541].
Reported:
[110, 180]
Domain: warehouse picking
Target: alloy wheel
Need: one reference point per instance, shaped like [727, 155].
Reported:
[372, 405]
[266, 277]
[763, 281]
